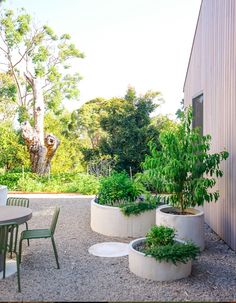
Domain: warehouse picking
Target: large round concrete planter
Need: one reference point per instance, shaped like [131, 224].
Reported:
[3, 195]
[110, 221]
[149, 268]
[188, 227]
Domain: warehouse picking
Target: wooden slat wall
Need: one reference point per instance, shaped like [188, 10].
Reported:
[212, 70]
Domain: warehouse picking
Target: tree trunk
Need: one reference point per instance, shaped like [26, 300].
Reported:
[41, 148]
[40, 154]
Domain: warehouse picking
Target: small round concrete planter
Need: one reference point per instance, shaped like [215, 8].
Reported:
[110, 221]
[149, 268]
[188, 227]
[3, 195]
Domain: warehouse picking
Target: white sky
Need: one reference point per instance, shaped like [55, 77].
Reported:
[143, 43]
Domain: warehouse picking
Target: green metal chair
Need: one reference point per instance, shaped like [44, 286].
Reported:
[8, 232]
[16, 201]
[42, 233]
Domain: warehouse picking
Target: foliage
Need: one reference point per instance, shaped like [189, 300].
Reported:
[139, 206]
[118, 187]
[161, 245]
[86, 122]
[163, 123]
[121, 191]
[10, 180]
[184, 167]
[128, 129]
[38, 65]
[64, 182]
[32, 52]
[8, 106]
[68, 158]
[12, 152]
[180, 112]
[160, 235]
[102, 167]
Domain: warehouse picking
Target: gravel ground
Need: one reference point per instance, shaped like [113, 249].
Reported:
[84, 277]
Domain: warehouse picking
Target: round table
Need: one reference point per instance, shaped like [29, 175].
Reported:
[17, 214]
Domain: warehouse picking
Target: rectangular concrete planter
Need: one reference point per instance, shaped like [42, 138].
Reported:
[149, 268]
[110, 221]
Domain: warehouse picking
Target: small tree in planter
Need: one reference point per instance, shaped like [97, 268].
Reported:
[184, 167]
[160, 256]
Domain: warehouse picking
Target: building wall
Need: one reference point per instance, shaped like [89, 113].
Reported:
[212, 70]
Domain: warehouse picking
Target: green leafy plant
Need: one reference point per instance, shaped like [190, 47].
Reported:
[184, 167]
[118, 188]
[160, 235]
[135, 208]
[121, 191]
[161, 245]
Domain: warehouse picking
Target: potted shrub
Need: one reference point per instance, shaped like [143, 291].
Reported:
[185, 169]
[160, 256]
[121, 209]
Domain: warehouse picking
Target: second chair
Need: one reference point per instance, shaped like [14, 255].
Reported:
[42, 233]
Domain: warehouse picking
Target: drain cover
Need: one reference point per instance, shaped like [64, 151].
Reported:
[109, 249]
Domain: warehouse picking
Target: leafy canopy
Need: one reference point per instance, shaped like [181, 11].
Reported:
[184, 166]
[128, 129]
[29, 51]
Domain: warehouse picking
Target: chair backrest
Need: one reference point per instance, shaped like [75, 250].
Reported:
[8, 235]
[54, 220]
[12, 201]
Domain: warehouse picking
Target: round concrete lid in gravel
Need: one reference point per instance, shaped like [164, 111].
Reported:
[109, 249]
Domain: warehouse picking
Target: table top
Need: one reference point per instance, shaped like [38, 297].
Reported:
[15, 214]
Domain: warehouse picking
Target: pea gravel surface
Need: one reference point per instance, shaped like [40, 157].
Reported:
[87, 278]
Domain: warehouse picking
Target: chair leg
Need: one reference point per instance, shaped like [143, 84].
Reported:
[18, 272]
[20, 250]
[26, 224]
[4, 265]
[55, 251]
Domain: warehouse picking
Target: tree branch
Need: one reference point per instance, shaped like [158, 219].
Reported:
[14, 75]
[3, 50]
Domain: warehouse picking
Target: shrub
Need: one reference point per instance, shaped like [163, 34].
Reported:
[140, 205]
[160, 236]
[161, 245]
[64, 182]
[118, 188]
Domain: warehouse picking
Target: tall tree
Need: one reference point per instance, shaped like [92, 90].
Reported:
[38, 61]
[128, 128]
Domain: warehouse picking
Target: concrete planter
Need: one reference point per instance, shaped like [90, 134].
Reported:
[3, 195]
[110, 221]
[149, 268]
[188, 227]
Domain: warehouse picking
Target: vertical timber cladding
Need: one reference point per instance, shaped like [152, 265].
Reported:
[212, 71]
